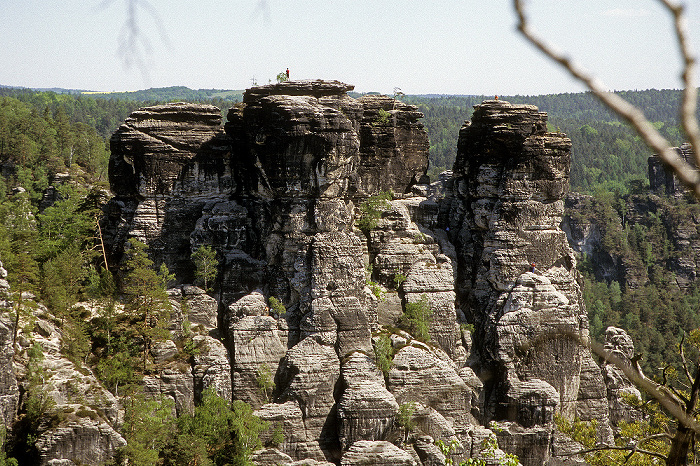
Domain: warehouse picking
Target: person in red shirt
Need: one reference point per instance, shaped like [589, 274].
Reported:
[287, 73]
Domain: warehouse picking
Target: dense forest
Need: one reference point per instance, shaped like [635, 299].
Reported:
[607, 154]
[46, 134]
[636, 275]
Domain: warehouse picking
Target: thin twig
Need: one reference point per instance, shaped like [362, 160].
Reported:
[690, 91]
[685, 172]
[685, 363]
[632, 449]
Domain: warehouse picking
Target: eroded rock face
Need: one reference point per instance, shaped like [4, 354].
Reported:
[620, 344]
[88, 429]
[510, 179]
[277, 194]
[159, 155]
[79, 442]
[377, 453]
[662, 180]
[394, 147]
[9, 390]
[366, 410]
[309, 372]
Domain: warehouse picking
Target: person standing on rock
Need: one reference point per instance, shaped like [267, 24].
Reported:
[287, 73]
[532, 267]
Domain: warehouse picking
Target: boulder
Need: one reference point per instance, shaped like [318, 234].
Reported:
[256, 351]
[619, 343]
[211, 368]
[83, 441]
[421, 375]
[308, 374]
[376, 453]
[366, 411]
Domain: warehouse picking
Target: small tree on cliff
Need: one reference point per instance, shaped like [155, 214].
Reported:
[147, 300]
[18, 245]
[206, 265]
[416, 319]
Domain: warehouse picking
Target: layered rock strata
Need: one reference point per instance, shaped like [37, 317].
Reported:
[278, 194]
[9, 390]
[275, 194]
[516, 275]
[664, 181]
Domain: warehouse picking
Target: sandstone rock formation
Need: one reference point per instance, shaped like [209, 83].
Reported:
[618, 343]
[87, 430]
[9, 390]
[516, 277]
[278, 194]
[662, 180]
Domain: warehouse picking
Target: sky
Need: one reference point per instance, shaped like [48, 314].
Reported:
[421, 47]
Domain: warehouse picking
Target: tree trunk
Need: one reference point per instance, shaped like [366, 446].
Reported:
[680, 445]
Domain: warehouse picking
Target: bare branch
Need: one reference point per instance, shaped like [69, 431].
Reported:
[690, 91]
[685, 172]
[632, 449]
[683, 360]
[134, 46]
[665, 397]
[679, 395]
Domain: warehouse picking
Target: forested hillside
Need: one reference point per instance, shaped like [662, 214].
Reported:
[639, 265]
[638, 262]
[606, 153]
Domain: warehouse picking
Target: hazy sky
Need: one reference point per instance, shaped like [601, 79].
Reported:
[429, 46]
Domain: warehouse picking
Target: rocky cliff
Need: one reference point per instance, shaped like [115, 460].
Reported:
[399, 296]
[662, 180]
[516, 277]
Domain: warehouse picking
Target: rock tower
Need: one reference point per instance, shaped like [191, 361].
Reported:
[278, 193]
[516, 277]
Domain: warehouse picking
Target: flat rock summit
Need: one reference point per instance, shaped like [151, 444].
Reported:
[320, 200]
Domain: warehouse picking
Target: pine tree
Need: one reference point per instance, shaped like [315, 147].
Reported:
[147, 300]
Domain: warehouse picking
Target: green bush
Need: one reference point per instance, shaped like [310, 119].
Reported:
[265, 380]
[277, 435]
[383, 353]
[219, 432]
[399, 278]
[206, 265]
[416, 319]
[276, 306]
[371, 211]
[382, 119]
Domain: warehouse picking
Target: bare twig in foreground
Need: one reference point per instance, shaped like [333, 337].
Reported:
[685, 172]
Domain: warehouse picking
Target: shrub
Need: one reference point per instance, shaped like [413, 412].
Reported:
[277, 435]
[265, 381]
[399, 278]
[383, 353]
[206, 265]
[371, 211]
[468, 327]
[382, 118]
[277, 306]
[416, 319]
[405, 417]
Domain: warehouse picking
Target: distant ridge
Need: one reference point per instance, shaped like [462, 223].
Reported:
[156, 94]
